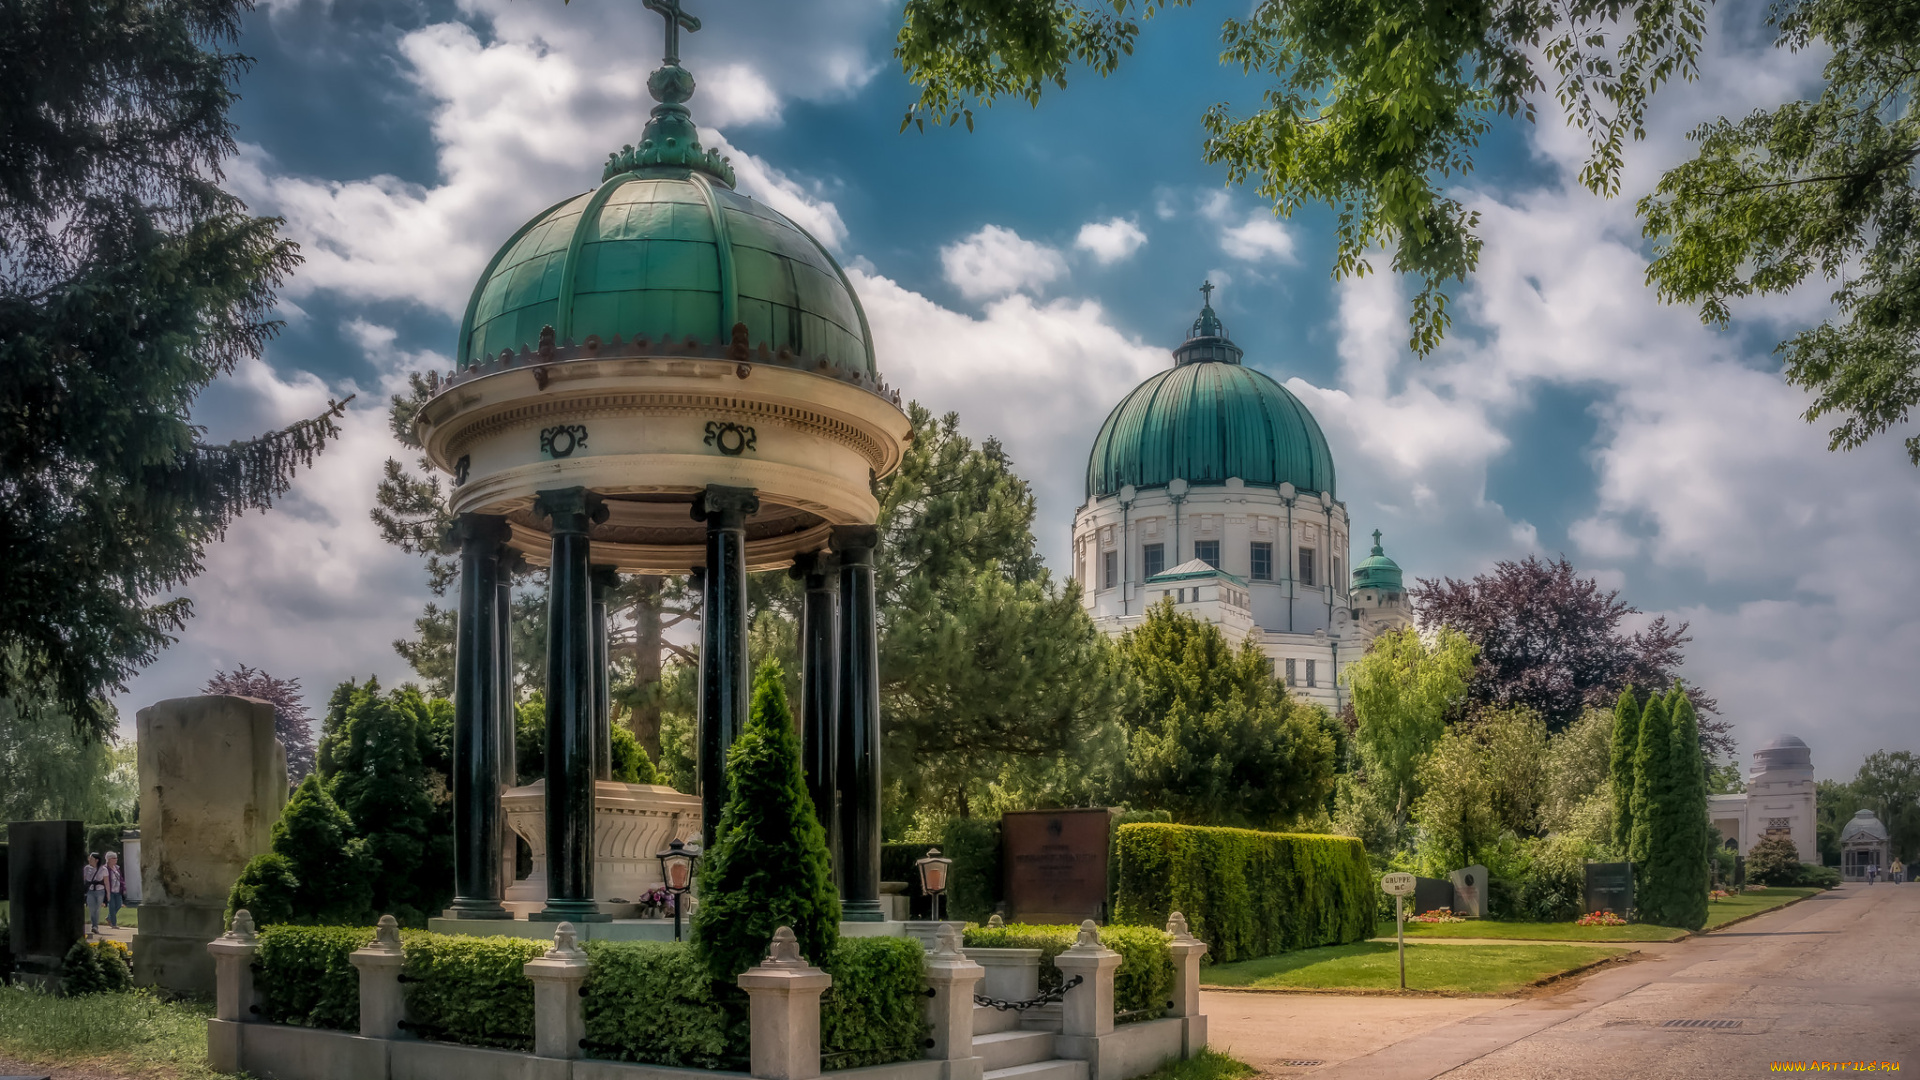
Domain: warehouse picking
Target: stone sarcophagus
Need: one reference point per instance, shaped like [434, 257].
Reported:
[632, 824]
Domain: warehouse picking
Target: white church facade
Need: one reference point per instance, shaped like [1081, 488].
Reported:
[1212, 486]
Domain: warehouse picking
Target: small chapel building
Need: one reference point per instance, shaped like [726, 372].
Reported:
[1210, 485]
[1778, 801]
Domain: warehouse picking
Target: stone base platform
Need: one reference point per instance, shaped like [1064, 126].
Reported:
[620, 929]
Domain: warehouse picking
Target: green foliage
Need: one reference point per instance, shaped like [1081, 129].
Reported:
[1889, 785]
[472, 989]
[144, 1033]
[267, 889]
[330, 862]
[1650, 780]
[768, 867]
[1678, 860]
[305, 977]
[1826, 186]
[1578, 771]
[1140, 984]
[131, 283]
[373, 756]
[1773, 861]
[52, 764]
[1625, 746]
[1211, 737]
[1404, 691]
[872, 1014]
[631, 765]
[974, 879]
[96, 967]
[1455, 812]
[654, 1002]
[1245, 893]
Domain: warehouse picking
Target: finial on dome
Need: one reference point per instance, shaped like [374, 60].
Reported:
[1207, 339]
[1377, 550]
[670, 137]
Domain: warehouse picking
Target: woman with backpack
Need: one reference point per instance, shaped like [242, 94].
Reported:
[95, 877]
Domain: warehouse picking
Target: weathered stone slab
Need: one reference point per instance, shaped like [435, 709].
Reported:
[46, 893]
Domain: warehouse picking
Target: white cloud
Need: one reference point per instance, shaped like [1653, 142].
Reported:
[1110, 241]
[996, 261]
[1258, 239]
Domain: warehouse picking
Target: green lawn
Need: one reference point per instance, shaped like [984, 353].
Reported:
[1537, 931]
[1721, 912]
[137, 1032]
[1460, 969]
[129, 916]
[1206, 1065]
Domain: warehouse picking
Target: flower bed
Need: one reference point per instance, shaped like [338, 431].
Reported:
[1437, 915]
[1600, 918]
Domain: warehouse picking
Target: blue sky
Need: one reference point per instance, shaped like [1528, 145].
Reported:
[1027, 275]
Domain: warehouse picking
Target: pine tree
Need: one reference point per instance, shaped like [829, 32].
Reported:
[1626, 741]
[1649, 780]
[768, 867]
[1684, 866]
[316, 837]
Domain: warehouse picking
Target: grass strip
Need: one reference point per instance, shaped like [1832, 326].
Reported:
[138, 1032]
[1448, 969]
[1754, 902]
[1538, 931]
[1206, 1065]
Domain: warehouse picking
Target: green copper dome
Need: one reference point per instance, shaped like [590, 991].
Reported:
[1377, 571]
[1207, 419]
[665, 249]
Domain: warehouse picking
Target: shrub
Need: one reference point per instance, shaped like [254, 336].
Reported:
[305, 977]
[768, 867]
[96, 967]
[1773, 861]
[472, 989]
[631, 765]
[973, 881]
[653, 1002]
[1246, 894]
[267, 889]
[872, 1013]
[1140, 984]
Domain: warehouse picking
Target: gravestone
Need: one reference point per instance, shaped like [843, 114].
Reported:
[1056, 864]
[1470, 891]
[130, 864]
[213, 780]
[1609, 887]
[46, 895]
[1432, 894]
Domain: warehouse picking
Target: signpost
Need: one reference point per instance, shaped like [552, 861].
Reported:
[1399, 886]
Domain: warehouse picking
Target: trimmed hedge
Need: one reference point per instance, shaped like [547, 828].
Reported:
[1140, 985]
[471, 989]
[305, 977]
[1246, 894]
[653, 1002]
[872, 1013]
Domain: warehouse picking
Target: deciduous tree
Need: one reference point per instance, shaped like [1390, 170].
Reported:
[290, 721]
[1405, 689]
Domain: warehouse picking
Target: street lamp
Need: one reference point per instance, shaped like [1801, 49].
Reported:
[933, 877]
[676, 866]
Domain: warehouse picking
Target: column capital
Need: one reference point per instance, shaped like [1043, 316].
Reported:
[478, 534]
[572, 510]
[855, 543]
[816, 568]
[725, 507]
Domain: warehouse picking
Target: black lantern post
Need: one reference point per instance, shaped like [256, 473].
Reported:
[676, 866]
[933, 878]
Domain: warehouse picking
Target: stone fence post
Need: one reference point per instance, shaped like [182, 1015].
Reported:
[559, 1019]
[382, 1006]
[951, 979]
[1187, 951]
[233, 954]
[1087, 1010]
[785, 994]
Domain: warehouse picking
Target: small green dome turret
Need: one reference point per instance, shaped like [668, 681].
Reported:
[1377, 571]
[1206, 420]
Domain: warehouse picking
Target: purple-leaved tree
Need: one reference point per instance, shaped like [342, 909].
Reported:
[290, 721]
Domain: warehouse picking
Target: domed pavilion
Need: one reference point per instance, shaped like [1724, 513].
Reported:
[661, 375]
[1211, 485]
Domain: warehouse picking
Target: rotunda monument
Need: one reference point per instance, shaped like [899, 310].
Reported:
[662, 375]
[1212, 486]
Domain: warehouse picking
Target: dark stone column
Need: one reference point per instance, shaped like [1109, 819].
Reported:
[507, 717]
[604, 579]
[819, 689]
[723, 642]
[570, 696]
[857, 738]
[477, 885]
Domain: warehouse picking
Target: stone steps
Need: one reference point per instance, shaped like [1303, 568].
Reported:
[1007, 1049]
[1041, 1070]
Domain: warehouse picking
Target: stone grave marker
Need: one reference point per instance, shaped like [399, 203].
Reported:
[1431, 894]
[1056, 864]
[1609, 887]
[45, 894]
[1470, 891]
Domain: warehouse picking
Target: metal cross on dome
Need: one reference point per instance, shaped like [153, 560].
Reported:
[676, 21]
[1206, 287]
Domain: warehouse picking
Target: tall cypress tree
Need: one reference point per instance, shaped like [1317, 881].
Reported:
[768, 867]
[1626, 741]
[1649, 781]
[1682, 845]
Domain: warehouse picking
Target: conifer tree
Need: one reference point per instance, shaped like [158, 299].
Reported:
[1682, 845]
[1626, 741]
[1649, 780]
[768, 867]
[373, 756]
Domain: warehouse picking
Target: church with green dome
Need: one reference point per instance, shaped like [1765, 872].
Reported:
[1212, 486]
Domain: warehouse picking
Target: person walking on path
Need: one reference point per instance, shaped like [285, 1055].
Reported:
[95, 877]
[116, 889]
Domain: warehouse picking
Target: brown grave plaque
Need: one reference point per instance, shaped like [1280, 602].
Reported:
[1056, 864]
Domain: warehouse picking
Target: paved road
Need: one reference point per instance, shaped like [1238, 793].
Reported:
[1835, 978]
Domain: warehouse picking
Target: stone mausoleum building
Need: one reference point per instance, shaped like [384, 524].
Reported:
[1778, 801]
[1212, 486]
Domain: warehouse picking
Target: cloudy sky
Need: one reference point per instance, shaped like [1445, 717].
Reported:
[1027, 275]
